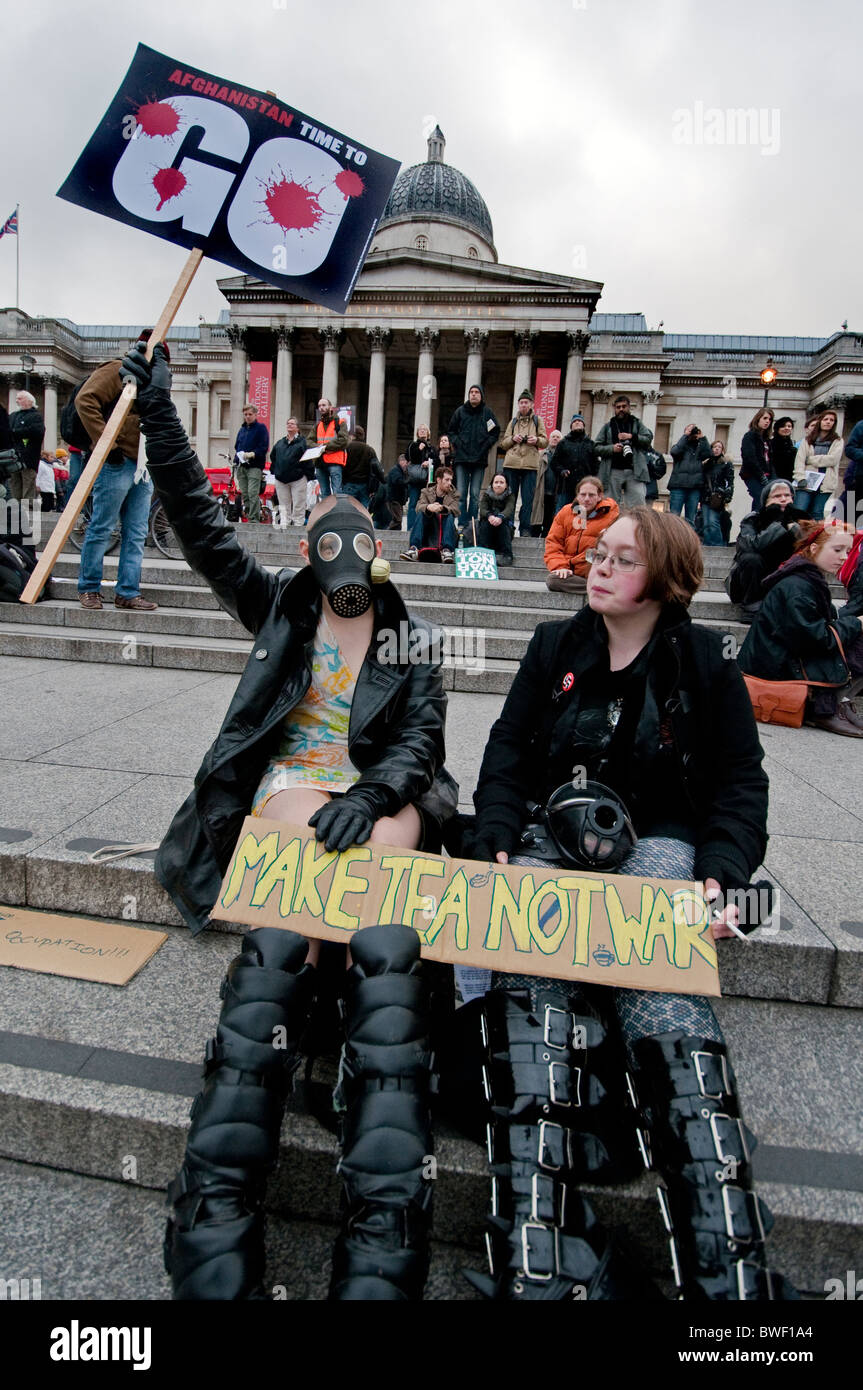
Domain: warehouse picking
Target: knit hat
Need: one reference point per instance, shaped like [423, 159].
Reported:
[577, 416]
[771, 488]
[525, 395]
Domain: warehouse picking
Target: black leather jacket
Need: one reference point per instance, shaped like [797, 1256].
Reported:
[396, 734]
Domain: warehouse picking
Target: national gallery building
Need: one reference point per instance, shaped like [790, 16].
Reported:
[432, 312]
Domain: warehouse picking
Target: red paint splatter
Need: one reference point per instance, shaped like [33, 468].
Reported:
[350, 184]
[168, 183]
[292, 206]
[158, 118]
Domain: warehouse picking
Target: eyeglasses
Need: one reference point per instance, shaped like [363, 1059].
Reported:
[617, 562]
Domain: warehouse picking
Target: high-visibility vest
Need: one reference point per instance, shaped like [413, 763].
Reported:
[338, 457]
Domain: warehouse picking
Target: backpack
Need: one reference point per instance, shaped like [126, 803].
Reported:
[72, 427]
[16, 566]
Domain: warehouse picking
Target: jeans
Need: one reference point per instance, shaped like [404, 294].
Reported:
[755, 487]
[712, 534]
[812, 503]
[522, 477]
[330, 479]
[76, 468]
[357, 490]
[468, 481]
[413, 498]
[497, 538]
[425, 530]
[249, 483]
[624, 489]
[686, 500]
[116, 497]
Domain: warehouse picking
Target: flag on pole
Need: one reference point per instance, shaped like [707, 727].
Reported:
[10, 225]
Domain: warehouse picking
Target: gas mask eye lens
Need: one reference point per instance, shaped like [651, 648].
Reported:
[364, 546]
[329, 546]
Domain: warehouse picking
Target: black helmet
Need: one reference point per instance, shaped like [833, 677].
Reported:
[590, 826]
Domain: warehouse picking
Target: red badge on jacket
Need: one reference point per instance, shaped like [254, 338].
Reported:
[568, 681]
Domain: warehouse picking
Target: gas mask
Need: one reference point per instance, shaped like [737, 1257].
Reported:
[586, 829]
[341, 551]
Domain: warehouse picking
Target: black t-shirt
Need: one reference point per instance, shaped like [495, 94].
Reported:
[610, 706]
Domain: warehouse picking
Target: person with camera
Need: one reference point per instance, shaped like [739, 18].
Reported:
[627, 744]
[522, 443]
[798, 635]
[717, 491]
[686, 484]
[621, 447]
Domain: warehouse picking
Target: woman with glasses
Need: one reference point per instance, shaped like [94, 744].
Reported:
[630, 696]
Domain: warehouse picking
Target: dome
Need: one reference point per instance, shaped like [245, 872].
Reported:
[436, 192]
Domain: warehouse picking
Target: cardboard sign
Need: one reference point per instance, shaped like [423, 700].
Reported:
[636, 933]
[239, 173]
[75, 946]
[475, 562]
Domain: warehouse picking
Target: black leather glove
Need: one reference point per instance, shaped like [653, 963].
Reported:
[486, 841]
[347, 821]
[153, 379]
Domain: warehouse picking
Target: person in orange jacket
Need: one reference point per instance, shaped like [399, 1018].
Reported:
[574, 531]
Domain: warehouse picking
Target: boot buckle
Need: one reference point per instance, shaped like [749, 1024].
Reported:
[547, 1027]
[529, 1273]
[717, 1142]
[544, 1187]
[544, 1149]
[558, 1091]
[702, 1069]
[754, 1205]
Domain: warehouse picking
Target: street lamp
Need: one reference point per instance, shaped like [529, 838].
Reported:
[29, 364]
[768, 376]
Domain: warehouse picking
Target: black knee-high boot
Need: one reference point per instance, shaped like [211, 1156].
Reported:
[699, 1144]
[381, 1253]
[214, 1246]
[549, 1082]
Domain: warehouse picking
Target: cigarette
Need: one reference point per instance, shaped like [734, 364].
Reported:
[730, 925]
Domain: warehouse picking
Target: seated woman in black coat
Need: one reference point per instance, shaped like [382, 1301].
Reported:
[766, 539]
[793, 636]
[337, 726]
[496, 513]
[630, 694]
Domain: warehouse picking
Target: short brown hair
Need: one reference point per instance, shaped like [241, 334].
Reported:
[672, 552]
[444, 468]
[590, 478]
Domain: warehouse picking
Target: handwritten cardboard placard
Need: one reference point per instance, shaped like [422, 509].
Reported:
[637, 933]
[75, 946]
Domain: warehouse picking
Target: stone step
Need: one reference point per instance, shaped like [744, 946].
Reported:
[47, 1210]
[96, 1080]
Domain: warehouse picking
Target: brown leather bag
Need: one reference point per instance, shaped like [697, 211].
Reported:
[784, 702]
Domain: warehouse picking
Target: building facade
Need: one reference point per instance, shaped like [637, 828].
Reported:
[433, 312]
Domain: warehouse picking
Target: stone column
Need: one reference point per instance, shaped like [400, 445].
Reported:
[651, 405]
[52, 384]
[524, 345]
[476, 340]
[331, 340]
[600, 412]
[379, 340]
[12, 392]
[578, 343]
[239, 364]
[285, 338]
[202, 417]
[427, 341]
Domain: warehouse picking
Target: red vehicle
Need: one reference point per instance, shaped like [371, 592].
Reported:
[224, 484]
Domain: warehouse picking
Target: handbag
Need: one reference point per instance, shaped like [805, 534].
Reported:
[716, 501]
[784, 702]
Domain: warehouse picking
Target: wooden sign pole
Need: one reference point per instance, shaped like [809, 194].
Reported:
[85, 483]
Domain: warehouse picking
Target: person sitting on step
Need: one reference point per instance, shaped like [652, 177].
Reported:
[437, 513]
[496, 519]
[573, 532]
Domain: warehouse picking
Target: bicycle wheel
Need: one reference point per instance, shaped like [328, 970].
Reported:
[79, 530]
[162, 533]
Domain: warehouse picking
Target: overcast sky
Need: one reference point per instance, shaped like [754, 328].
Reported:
[578, 120]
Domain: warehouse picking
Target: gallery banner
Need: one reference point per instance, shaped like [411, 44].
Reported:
[241, 174]
[546, 392]
[638, 933]
[260, 387]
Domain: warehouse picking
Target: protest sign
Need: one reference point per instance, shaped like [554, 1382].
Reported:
[636, 933]
[475, 562]
[106, 952]
[237, 172]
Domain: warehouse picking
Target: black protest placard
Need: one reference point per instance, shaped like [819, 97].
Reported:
[238, 173]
